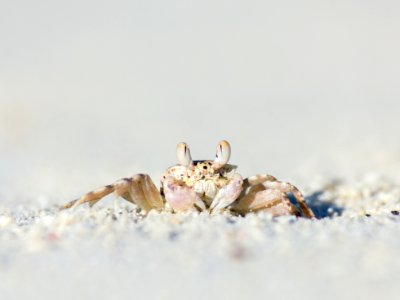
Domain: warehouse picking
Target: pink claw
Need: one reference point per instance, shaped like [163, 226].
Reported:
[180, 198]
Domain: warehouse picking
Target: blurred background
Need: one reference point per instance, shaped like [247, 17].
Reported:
[91, 91]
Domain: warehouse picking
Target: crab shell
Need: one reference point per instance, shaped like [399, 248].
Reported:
[202, 177]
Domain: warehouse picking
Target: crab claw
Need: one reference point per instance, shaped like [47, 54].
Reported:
[228, 194]
[223, 154]
[183, 154]
[181, 198]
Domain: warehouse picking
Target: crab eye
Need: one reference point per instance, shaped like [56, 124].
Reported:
[223, 154]
[183, 154]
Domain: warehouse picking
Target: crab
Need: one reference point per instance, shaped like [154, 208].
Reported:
[212, 186]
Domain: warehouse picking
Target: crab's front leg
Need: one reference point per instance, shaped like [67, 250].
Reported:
[138, 189]
[179, 196]
[286, 187]
[227, 194]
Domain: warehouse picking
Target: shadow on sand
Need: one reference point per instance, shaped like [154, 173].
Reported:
[322, 208]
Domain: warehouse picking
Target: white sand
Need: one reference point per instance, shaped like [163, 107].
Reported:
[307, 91]
[91, 254]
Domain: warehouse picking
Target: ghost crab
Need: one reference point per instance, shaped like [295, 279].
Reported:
[204, 185]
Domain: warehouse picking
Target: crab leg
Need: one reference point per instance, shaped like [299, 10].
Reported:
[138, 189]
[258, 179]
[273, 201]
[289, 188]
[270, 182]
[92, 197]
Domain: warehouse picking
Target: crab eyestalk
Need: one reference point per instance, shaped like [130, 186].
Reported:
[183, 154]
[223, 154]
